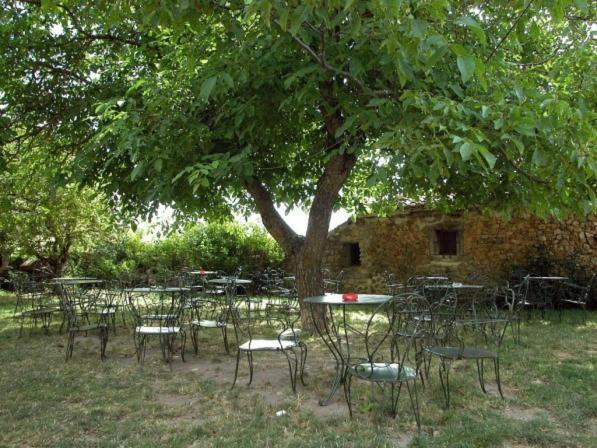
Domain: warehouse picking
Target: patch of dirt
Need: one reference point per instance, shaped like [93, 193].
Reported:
[524, 415]
[403, 440]
[492, 389]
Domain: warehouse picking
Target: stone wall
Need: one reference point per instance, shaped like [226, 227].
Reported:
[488, 245]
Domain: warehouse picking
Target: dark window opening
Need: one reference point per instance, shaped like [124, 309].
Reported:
[447, 241]
[353, 254]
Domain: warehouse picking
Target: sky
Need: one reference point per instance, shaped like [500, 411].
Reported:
[296, 219]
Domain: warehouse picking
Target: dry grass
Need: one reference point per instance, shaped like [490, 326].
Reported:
[549, 381]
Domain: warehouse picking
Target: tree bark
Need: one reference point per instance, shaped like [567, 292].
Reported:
[307, 252]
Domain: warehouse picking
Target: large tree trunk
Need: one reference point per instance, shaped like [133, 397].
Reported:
[308, 251]
[309, 283]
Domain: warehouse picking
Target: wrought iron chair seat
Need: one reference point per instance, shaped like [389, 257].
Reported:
[159, 317]
[381, 371]
[108, 310]
[462, 352]
[205, 323]
[157, 330]
[291, 334]
[254, 345]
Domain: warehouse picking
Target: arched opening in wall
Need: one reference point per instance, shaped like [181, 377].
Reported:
[352, 254]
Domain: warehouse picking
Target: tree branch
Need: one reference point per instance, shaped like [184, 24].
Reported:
[326, 66]
[91, 36]
[273, 222]
[503, 39]
[519, 170]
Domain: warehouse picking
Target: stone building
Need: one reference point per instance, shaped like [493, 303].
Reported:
[422, 241]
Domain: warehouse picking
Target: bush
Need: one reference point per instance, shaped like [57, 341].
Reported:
[213, 246]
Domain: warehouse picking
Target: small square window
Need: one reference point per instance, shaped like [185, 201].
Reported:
[352, 254]
[447, 242]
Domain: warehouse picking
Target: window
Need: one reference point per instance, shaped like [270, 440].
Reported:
[352, 254]
[447, 241]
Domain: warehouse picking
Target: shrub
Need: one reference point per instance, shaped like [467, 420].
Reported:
[213, 246]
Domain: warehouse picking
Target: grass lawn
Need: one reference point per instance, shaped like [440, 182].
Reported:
[549, 380]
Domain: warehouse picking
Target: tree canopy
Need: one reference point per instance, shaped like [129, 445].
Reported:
[213, 105]
[45, 216]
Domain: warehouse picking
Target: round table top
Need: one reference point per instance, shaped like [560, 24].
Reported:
[454, 286]
[158, 289]
[336, 299]
[78, 281]
[202, 273]
[61, 279]
[228, 280]
[547, 278]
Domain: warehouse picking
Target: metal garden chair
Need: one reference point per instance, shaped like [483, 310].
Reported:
[157, 316]
[210, 314]
[248, 324]
[389, 342]
[458, 337]
[576, 295]
[77, 321]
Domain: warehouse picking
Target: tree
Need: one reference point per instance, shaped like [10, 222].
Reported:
[230, 104]
[43, 218]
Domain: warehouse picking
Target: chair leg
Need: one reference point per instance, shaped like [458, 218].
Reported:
[480, 374]
[444, 377]
[347, 393]
[194, 341]
[303, 361]
[250, 359]
[225, 336]
[496, 364]
[236, 369]
[414, 403]
[103, 342]
[292, 374]
[183, 341]
[70, 342]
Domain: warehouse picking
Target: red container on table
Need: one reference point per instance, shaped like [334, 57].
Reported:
[350, 297]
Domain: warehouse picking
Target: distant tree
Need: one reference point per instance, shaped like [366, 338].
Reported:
[43, 217]
[219, 105]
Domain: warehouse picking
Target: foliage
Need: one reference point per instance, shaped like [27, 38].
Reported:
[44, 217]
[455, 103]
[214, 246]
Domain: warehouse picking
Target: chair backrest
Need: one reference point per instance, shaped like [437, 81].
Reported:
[156, 309]
[249, 323]
[393, 328]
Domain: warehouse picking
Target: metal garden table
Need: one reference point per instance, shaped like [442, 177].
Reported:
[335, 330]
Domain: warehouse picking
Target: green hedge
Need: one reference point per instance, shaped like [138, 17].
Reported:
[213, 246]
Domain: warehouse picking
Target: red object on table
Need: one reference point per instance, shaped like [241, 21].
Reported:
[350, 296]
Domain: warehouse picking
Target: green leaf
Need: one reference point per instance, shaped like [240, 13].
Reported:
[299, 16]
[489, 157]
[207, 87]
[283, 20]
[347, 124]
[375, 102]
[158, 164]
[466, 65]
[539, 158]
[474, 26]
[466, 151]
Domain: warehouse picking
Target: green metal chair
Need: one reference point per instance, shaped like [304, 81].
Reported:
[458, 337]
[72, 303]
[249, 330]
[390, 359]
